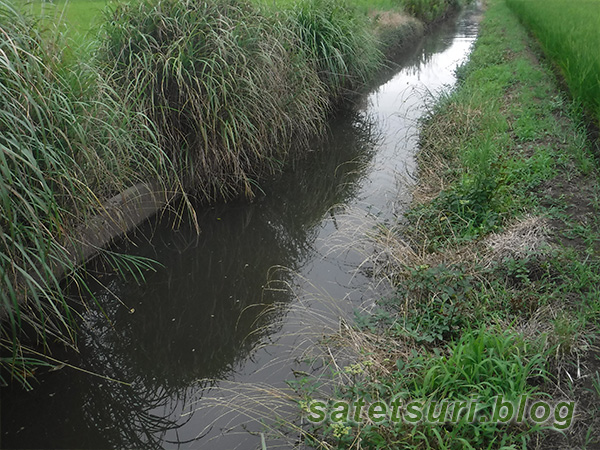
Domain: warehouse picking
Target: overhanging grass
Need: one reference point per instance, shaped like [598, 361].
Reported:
[66, 145]
[568, 32]
[231, 89]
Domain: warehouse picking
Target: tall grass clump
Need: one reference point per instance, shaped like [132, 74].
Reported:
[66, 145]
[218, 81]
[230, 88]
[568, 33]
[338, 41]
[429, 11]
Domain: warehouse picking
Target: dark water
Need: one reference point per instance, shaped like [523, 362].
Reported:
[215, 325]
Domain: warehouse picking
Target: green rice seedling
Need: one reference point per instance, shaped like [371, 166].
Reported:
[224, 85]
[66, 145]
[568, 33]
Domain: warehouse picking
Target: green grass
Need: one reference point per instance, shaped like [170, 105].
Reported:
[429, 11]
[495, 265]
[215, 103]
[230, 88]
[365, 6]
[568, 32]
[67, 144]
[80, 19]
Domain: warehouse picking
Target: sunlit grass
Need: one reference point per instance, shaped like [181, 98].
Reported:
[80, 19]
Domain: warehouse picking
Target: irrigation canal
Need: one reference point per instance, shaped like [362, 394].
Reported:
[230, 304]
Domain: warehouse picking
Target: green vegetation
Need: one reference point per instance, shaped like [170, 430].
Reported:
[568, 32]
[429, 11]
[364, 6]
[67, 143]
[229, 89]
[495, 267]
[82, 18]
[78, 19]
[208, 96]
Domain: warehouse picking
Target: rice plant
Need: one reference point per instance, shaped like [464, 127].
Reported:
[66, 145]
[568, 33]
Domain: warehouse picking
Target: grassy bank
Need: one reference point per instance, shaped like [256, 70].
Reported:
[212, 96]
[568, 32]
[495, 271]
[67, 143]
[231, 90]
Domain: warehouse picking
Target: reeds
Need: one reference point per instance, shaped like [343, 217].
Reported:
[66, 145]
[231, 89]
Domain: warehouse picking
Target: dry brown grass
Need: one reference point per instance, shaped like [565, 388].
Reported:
[391, 19]
[529, 235]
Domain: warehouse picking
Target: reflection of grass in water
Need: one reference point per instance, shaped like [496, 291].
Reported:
[230, 260]
[216, 284]
[270, 409]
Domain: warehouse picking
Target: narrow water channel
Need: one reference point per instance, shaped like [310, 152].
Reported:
[206, 313]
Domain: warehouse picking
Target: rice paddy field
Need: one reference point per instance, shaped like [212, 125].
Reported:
[569, 34]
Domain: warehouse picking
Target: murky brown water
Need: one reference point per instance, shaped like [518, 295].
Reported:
[205, 313]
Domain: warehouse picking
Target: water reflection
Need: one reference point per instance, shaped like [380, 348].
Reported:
[204, 313]
[201, 312]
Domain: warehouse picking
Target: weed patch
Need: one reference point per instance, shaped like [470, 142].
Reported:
[494, 267]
